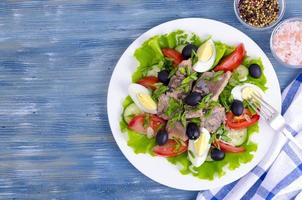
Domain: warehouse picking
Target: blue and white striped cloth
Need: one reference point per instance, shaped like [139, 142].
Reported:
[279, 174]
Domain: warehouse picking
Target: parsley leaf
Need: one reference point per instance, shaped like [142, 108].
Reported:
[161, 89]
[217, 75]
[222, 133]
[191, 77]
[194, 58]
[196, 121]
[173, 107]
[185, 84]
[146, 121]
[175, 112]
[234, 80]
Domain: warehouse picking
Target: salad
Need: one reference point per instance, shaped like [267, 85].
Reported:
[189, 101]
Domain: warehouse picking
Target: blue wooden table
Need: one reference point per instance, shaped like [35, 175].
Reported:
[56, 59]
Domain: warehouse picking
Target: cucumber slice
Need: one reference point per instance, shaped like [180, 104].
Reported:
[179, 48]
[131, 111]
[242, 72]
[154, 71]
[238, 137]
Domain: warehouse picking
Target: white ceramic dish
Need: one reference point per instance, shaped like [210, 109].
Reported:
[157, 168]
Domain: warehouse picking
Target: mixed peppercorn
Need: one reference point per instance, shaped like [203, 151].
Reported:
[259, 13]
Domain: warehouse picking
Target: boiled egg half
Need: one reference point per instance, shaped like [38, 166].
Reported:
[245, 91]
[142, 98]
[198, 149]
[206, 54]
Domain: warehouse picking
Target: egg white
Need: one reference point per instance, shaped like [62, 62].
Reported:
[135, 89]
[203, 66]
[237, 91]
[199, 160]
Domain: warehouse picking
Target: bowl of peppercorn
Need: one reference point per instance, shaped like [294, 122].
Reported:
[259, 14]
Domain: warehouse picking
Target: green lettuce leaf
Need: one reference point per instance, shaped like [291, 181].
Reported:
[150, 53]
[222, 50]
[261, 81]
[210, 169]
[140, 143]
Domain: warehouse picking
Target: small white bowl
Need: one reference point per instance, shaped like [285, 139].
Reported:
[280, 15]
[272, 37]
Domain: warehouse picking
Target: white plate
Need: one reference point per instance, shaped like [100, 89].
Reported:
[159, 169]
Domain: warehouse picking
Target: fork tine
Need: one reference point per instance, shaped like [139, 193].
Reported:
[266, 110]
[257, 110]
[264, 103]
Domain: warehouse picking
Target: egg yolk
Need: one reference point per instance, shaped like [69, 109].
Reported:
[200, 145]
[247, 92]
[205, 52]
[146, 101]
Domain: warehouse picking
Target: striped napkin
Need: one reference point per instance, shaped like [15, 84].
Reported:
[279, 174]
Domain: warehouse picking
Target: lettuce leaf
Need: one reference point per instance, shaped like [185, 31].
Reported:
[222, 50]
[261, 81]
[150, 53]
[229, 50]
[226, 98]
[140, 143]
[210, 169]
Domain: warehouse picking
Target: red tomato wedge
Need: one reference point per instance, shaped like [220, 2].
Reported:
[149, 82]
[173, 54]
[156, 122]
[170, 149]
[232, 61]
[243, 121]
[140, 123]
[137, 124]
[228, 148]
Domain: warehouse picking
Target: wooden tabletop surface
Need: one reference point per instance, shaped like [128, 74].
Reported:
[56, 59]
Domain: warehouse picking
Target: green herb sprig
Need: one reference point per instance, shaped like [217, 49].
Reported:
[161, 89]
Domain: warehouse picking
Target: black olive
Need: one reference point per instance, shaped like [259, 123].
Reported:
[193, 99]
[255, 70]
[217, 154]
[162, 137]
[163, 76]
[237, 107]
[192, 131]
[187, 50]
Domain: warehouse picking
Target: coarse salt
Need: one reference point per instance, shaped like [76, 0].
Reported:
[287, 42]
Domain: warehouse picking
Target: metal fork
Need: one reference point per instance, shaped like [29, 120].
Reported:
[272, 116]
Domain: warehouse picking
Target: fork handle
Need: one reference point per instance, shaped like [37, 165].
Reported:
[292, 138]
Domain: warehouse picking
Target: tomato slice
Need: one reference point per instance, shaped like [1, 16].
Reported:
[156, 122]
[173, 54]
[170, 149]
[149, 82]
[240, 122]
[228, 148]
[232, 61]
[138, 123]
